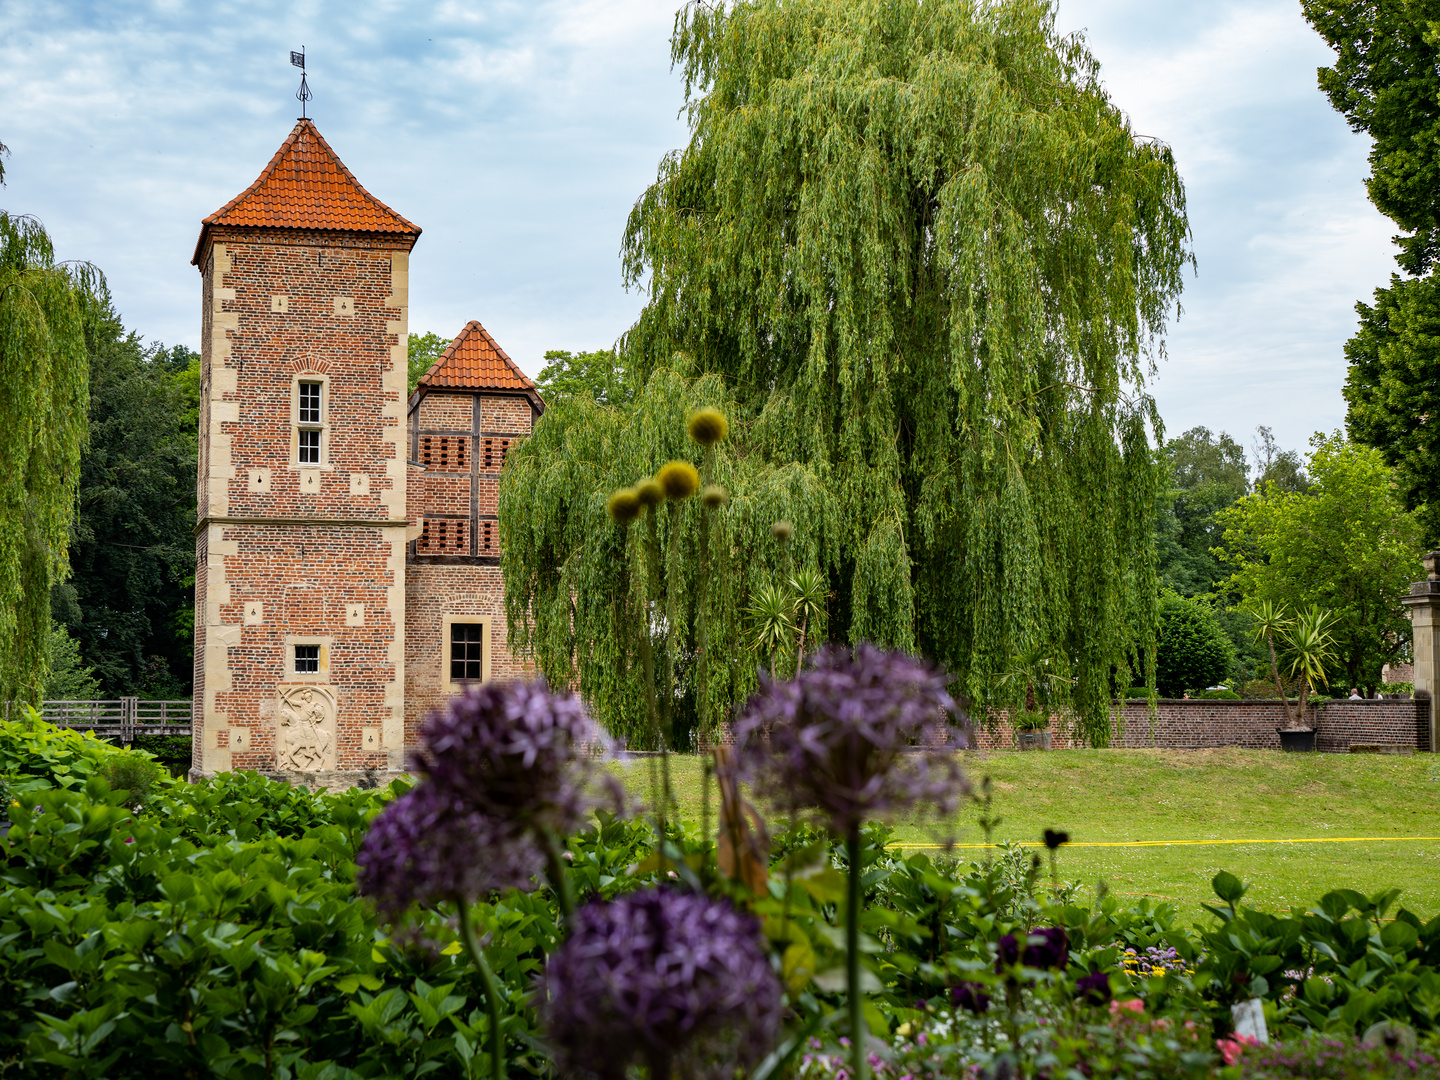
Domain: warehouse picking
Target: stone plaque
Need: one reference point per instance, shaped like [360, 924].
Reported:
[305, 728]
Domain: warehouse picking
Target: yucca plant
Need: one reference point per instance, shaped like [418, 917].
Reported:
[809, 590]
[772, 619]
[1312, 647]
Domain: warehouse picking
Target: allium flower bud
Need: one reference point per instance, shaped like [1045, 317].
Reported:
[624, 506]
[781, 530]
[650, 493]
[1054, 839]
[708, 425]
[661, 977]
[714, 496]
[1044, 948]
[841, 736]
[679, 479]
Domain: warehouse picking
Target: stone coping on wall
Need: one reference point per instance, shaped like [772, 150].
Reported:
[1205, 723]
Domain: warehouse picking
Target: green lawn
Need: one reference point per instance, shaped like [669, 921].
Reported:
[1261, 797]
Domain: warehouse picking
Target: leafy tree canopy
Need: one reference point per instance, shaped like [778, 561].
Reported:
[425, 349]
[598, 375]
[129, 600]
[1386, 83]
[44, 393]
[1193, 651]
[1208, 472]
[929, 262]
[1347, 544]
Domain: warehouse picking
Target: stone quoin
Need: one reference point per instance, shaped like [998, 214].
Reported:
[347, 544]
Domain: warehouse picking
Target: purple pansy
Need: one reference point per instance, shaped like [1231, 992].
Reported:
[429, 845]
[661, 977]
[840, 737]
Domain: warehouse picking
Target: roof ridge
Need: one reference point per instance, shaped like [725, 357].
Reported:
[476, 371]
[313, 197]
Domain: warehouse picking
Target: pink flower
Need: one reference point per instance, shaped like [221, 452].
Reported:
[1231, 1048]
[921, 1039]
[1134, 1005]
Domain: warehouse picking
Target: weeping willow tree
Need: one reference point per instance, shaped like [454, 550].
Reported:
[927, 264]
[44, 399]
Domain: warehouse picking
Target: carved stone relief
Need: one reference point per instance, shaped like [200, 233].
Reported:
[305, 728]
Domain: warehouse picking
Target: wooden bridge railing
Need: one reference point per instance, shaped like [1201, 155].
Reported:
[120, 718]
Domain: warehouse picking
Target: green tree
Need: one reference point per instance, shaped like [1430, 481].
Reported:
[1386, 83]
[44, 393]
[598, 375]
[1346, 544]
[130, 599]
[1208, 472]
[68, 678]
[424, 350]
[929, 262]
[1193, 651]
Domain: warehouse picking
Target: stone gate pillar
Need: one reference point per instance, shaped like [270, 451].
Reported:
[1424, 605]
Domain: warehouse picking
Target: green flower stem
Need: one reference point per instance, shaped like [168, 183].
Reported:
[852, 959]
[492, 991]
[559, 879]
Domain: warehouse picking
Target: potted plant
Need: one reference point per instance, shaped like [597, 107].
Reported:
[1310, 646]
[1031, 729]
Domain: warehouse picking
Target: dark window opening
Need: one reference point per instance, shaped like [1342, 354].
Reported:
[309, 403]
[309, 448]
[307, 659]
[467, 652]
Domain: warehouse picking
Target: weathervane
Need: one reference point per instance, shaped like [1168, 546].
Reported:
[297, 59]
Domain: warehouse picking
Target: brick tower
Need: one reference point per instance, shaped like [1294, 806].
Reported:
[468, 411]
[302, 534]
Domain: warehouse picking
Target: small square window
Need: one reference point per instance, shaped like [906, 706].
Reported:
[309, 403]
[309, 447]
[307, 659]
[467, 652]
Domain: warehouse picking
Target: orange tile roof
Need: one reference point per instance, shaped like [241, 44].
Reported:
[306, 186]
[474, 361]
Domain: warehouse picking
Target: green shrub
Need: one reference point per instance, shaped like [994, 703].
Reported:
[1192, 651]
[1030, 720]
[38, 754]
[1220, 694]
[133, 772]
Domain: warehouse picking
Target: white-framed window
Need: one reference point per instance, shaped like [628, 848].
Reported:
[464, 651]
[310, 408]
[307, 659]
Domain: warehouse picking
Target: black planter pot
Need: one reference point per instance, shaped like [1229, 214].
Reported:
[1297, 742]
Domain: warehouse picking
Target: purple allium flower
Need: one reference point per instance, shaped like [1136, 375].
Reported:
[430, 846]
[660, 976]
[1093, 989]
[1007, 953]
[516, 752]
[972, 996]
[836, 738]
[1051, 950]
[1045, 948]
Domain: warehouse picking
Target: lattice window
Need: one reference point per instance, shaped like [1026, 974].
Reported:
[443, 538]
[495, 451]
[444, 453]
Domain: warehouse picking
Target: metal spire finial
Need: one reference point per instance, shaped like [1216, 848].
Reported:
[297, 59]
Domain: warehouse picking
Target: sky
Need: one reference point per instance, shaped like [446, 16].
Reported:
[519, 134]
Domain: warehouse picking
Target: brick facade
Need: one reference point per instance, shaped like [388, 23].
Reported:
[1201, 724]
[335, 553]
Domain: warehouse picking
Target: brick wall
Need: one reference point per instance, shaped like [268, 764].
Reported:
[431, 593]
[286, 548]
[1200, 724]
